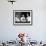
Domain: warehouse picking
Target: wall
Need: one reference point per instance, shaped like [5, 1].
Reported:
[38, 29]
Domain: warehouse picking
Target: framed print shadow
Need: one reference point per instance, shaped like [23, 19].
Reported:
[22, 17]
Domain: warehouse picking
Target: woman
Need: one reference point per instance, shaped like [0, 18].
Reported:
[23, 18]
[28, 17]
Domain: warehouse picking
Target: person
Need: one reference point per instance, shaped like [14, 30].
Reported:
[23, 18]
[17, 18]
[28, 17]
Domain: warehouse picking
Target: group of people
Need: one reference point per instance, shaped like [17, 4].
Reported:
[23, 18]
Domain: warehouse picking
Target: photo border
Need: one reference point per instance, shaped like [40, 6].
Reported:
[24, 24]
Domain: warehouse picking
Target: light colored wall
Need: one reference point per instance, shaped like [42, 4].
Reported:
[38, 30]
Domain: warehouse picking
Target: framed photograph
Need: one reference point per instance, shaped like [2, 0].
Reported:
[22, 17]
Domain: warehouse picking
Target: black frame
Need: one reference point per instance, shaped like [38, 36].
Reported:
[23, 11]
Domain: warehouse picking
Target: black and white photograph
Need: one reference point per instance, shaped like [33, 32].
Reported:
[22, 17]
